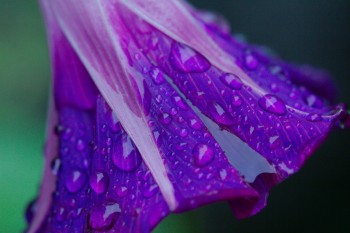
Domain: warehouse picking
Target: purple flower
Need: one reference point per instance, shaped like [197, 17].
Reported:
[157, 109]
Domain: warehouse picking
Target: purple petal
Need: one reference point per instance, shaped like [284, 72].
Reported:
[161, 110]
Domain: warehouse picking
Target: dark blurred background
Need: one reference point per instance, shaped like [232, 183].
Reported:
[315, 32]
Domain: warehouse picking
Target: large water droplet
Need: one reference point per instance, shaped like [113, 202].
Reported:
[125, 155]
[99, 182]
[232, 81]
[272, 104]
[203, 154]
[103, 217]
[75, 180]
[185, 59]
[219, 114]
[157, 75]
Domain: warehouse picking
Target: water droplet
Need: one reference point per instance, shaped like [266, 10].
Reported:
[179, 102]
[272, 104]
[157, 75]
[99, 182]
[181, 146]
[149, 191]
[164, 118]
[223, 174]
[122, 191]
[183, 132]
[313, 101]
[195, 124]
[250, 62]
[185, 59]
[103, 217]
[80, 146]
[61, 214]
[75, 180]
[203, 154]
[219, 114]
[313, 117]
[125, 155]
[232, 81]
[274, 142]
[236, 101]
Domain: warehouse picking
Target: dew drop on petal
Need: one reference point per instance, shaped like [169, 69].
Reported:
[272, 104]
[150, 190]
[313, 117]
[157, 75]
[236, 100]
[103, 217]
[220, 114]
[203, 154]
[179, 102]
[232, 81]
[75, 180]
[99, 182]
[274, 142]
[80, 145]
[164, 118]
[250, 62]
[124, 155]
[122, 191]
[185, 59]
[195, 124]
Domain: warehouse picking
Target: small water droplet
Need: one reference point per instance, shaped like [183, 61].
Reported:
[236, 100]
[99, 182]
[75, 180]
[157, 75]
[232, 81]
[149, 191]
[183, 132]
[195, 124]
[103, 217]
[313, 117]
[185, 59]
[80, 146]
[122, 191]
[61, 214]
[274, 142]
[219, 114]
[125, 156]
[272, 104]
[250, 62]
[164, 118]
[313, 101]
[179, 102]
[203, 154]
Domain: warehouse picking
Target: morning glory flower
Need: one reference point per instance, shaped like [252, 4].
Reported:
[156, 109]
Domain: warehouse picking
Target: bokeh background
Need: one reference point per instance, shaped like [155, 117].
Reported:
[316, 32]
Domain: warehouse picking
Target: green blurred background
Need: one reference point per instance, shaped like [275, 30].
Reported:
[310, 31]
